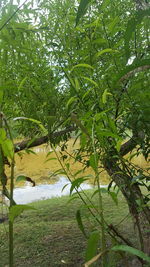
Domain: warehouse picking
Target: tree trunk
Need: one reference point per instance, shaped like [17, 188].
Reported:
[133, 196]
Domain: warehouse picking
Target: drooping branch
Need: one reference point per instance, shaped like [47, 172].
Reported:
[41, 140]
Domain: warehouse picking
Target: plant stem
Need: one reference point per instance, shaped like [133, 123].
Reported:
[101, 211]
[11, 239]
[11, 243]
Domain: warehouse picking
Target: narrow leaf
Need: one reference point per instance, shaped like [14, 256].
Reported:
[104, 96]
[76, 183]
[99, 115]
[90, 80]
[82, 9]
[94, 161]
[102, 190]
[114, 197]
[32, 120]
[92, 245]
[22, 83]
[20, 178]
[133, 251]
[80, 223]
[8, 148]
[17, 210]
[82, 66]
[107, 133]
[71, 100]
[2, 135]
[1, 94]
[104, 51]
[64, 187]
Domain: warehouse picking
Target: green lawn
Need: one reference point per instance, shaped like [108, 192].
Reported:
[49, 235]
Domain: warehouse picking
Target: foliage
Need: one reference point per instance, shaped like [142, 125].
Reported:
[84, 64]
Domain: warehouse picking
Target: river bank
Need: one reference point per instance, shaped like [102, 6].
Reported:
[49, 236]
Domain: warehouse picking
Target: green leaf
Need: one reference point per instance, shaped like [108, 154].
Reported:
[8, 148]
[30, 151]
[1, 94]
[133, 251]
[114, 197]
[80, 223]
[22, 83]
[2, 135]
[87, 93]
[118, 145]
[102, 190]
[105, 132]
[77, 84]
[76, 183]
[64, 187]
[71, 100]
[32, 120]
[94, 161]
[79, 124]
[82, 9]
[90, 80]
[58, 172]
[100, 41]
[20, 178]
[112, 25]
[78, 172]
[82, 66]
[17, 210]
[104, 96]
[99, 115]
[67, 166]
[50, 159]
[93, 241]
[112, 125]
[49, 153]
[131, 26]
[107, 50]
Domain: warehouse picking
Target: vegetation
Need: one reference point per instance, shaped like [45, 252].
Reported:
[82, 68]
[49, 235]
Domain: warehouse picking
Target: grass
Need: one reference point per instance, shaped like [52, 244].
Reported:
[49, 236]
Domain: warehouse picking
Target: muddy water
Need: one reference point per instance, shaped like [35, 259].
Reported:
[40, 168]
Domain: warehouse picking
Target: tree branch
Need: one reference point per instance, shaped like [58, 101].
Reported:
[125, 148]
[128, 146]
[41, 140]
[131, 143]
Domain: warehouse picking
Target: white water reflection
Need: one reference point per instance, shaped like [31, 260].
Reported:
[29, 194]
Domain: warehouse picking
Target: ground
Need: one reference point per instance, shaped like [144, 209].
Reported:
[49, 236]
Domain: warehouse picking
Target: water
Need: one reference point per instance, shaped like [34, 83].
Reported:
[28, 194]
[39, 168]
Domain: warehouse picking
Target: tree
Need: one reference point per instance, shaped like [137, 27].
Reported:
[94, 75]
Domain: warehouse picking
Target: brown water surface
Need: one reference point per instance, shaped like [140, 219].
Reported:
[40, 168]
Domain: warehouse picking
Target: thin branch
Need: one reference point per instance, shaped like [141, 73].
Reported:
[14, 13]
